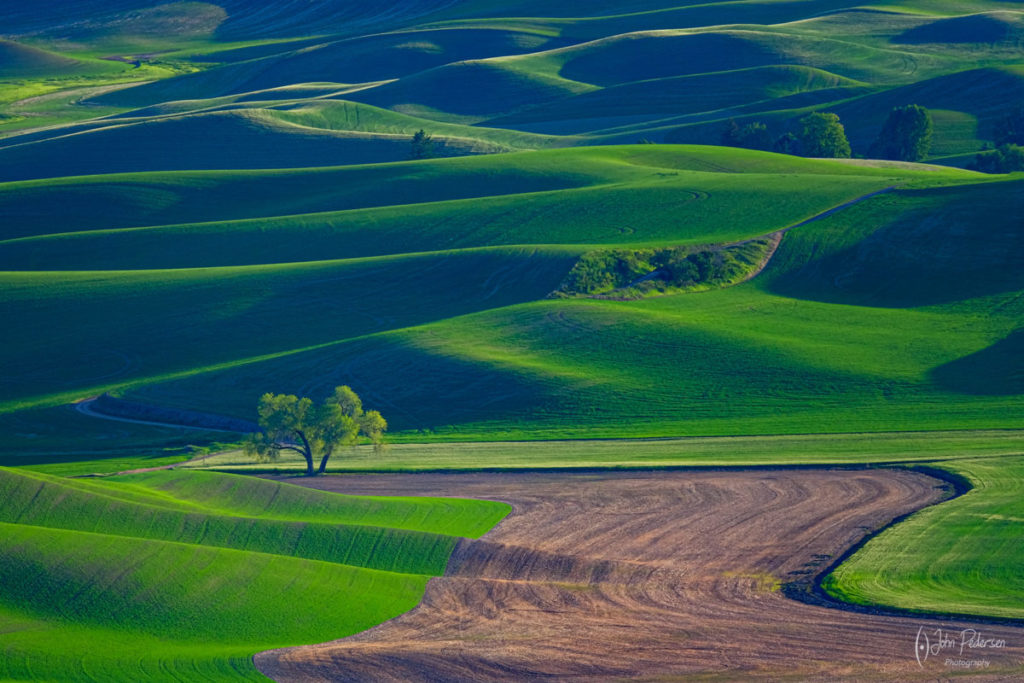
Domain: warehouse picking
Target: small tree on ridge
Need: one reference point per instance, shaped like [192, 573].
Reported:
[422, 145]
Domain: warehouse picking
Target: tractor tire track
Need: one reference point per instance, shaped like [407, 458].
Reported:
[611, 576]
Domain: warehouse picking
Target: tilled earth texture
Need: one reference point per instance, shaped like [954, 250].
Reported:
[656, 576]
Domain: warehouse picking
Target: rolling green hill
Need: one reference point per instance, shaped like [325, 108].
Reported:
[137, 558]
[366, 59]
[988, 28]
[633, 201]
[205, 201]
[230, 315]
[864, 273]
[24, 61]
[220, 140]
[647, 71]
[686, 96]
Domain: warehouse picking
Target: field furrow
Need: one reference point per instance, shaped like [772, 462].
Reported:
[611, 576]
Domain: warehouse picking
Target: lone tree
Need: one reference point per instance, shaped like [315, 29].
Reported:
[422, 145]
[906, 135]
[822, 135]
[290, 423]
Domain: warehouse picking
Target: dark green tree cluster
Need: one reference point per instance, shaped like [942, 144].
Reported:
[422, 145]
[290, 423]
[599, 271]
[822, 135]
[787, 143]
[819, 135]
[753, 135]
[1009, 130]
[1006, 158]
[905, 136]
[645, 271]
[677, 268]
[1008, 136]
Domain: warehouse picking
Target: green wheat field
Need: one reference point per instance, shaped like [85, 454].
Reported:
[201, 202]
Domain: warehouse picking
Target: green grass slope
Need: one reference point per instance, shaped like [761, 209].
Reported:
[23, 61]
[975, 99]
[268, 134]
[656, 207]
[158, 562]
[211, 246]
[470, 91]
[961, 557]
[337, 114]
[601, 19]
[96, 21]
[636, 75]
[735, 451]
[910, 249]
[664, 367]
[879, 307]
[989, 28]
[364, 59]
[37, 208]
[662, 54]
[200, 347]
[124, 326]
[685, 95]
[219, 140]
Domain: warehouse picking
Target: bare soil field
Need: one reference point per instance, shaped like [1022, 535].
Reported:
[655, 576]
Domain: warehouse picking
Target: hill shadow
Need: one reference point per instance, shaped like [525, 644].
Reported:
[991, 28]
[997, 370]
[933, 247]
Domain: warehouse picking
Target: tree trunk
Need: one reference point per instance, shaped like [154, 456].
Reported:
[323, 462]
[307, 453]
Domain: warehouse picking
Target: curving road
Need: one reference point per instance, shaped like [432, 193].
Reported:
[653, 576]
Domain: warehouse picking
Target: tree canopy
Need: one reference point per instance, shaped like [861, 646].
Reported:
[290, 423]
[1009, 130]
[822, 135]
[1003, 159]
[906, 135]
[422, 145]
[753, 135]
[787, 143]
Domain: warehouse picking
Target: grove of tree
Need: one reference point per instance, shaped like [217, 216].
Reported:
[1009, 130]
[822, 135]
[905, 136]
[1005, 158]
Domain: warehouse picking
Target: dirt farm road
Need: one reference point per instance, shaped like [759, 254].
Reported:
[651, 576]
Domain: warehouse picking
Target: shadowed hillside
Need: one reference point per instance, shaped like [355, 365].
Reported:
[995, 28]
[355, 60]
[22, 61]
[536, 362]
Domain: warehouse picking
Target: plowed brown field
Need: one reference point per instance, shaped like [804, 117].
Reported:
[653, 576]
